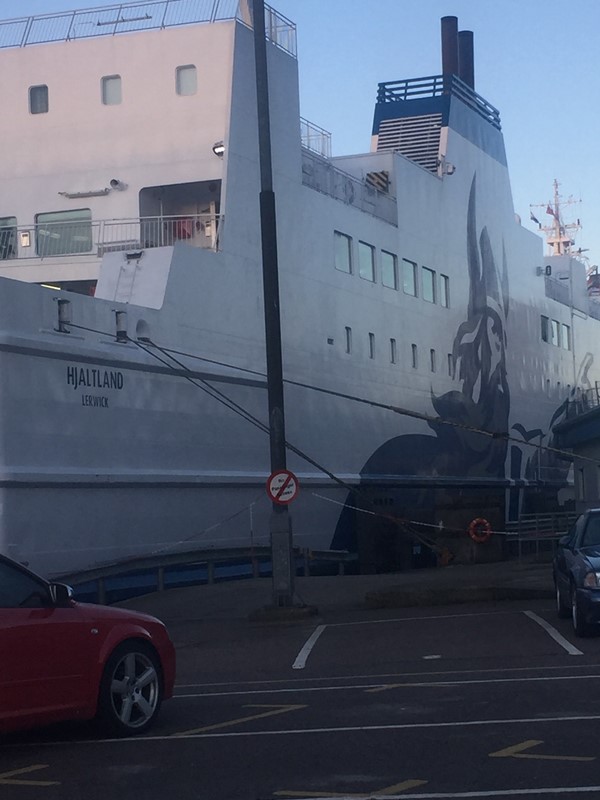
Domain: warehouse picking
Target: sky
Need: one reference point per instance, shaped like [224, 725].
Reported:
[535, 60]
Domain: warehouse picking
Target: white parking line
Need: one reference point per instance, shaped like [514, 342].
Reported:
[304, 653]
[551, 790]
[551, 631]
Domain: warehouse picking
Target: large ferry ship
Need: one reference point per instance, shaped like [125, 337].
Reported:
[429, 345]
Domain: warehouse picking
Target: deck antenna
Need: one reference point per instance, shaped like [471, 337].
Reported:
[560, 240]
[280, 525]
[560, 236]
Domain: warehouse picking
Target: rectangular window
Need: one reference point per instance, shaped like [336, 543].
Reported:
[343, 252]
[389, 270]
[444, 291]
[366, 261]
[432, 360]
[8, 238]
[450, 365]
[393, 351]
[348, 340]
[38, 99]
[554, 332]
[428, 286]
[409, 277]
[111, 90]
[545, 327]
[186, 80]
[566, 336]
[63, 232]
[415, 356]
[371, 345]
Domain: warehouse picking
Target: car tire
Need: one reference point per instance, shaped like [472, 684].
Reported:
[563, 610]
[579, 624]
[131, 689]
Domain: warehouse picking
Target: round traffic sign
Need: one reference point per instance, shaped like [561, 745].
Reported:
[282, 487]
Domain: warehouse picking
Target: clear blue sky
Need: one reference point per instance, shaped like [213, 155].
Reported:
[535, 60]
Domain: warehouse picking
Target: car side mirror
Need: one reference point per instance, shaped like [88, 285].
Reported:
[61, 594]
[566, 541]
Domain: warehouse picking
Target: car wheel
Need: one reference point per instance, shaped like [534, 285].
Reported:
[563, 610]
[130, 690]
[579, 624]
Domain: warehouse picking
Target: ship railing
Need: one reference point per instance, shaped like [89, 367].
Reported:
[111, 20]
[537, 533]
[316, 139]
[320, 174]
[97, 237]
[437, 86]
[584, 401]
[161, 571]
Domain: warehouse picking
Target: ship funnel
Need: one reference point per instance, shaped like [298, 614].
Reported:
[466, 64]
[450, 45]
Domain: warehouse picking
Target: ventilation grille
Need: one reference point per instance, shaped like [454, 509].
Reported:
[416, 138]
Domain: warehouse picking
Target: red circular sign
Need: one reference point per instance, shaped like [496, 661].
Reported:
[282, 487]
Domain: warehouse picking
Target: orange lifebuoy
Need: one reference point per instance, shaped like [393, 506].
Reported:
[480, 530]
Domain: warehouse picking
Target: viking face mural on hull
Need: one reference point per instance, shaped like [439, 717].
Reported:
[483, 403]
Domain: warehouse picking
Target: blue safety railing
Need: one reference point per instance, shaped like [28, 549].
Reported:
[129, 17]
[436, 86]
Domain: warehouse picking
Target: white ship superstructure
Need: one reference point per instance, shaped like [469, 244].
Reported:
[405, 281]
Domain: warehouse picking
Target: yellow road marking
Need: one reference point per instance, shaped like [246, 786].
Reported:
[7, 779]
[516, 751]
[386, 687]
[397, 787]
[275, 709]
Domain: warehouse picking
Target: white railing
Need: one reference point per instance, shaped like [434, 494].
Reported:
[112, 20]
[96, 237]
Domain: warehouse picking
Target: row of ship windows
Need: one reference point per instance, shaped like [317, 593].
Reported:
[431, 287]
[111, 93]
[556, 333]
[393, 352]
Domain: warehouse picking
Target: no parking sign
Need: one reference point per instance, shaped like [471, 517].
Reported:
[282, 487]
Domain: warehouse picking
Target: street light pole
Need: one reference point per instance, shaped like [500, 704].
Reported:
[280, 522]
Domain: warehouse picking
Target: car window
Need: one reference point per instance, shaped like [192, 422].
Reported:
[591, 535]
[20, 590]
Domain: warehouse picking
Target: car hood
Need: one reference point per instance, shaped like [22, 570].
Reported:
[114, 614]
[592, 556]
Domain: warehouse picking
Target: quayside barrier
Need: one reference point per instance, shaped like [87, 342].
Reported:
[161, 571]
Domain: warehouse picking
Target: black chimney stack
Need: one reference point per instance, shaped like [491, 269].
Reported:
[449, 46]
[466, 67]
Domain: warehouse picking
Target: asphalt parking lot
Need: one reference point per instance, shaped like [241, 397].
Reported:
[472, 700]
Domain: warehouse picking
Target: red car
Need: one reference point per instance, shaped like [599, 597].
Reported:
[62, 660]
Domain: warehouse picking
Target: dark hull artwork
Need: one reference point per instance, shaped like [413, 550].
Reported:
[444, 480]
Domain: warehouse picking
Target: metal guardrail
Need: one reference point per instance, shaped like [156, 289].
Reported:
[314, 138]
[159, 563]
[585, 401]
[141, 16]
[532, 533]
[436, 86]
[96, 237]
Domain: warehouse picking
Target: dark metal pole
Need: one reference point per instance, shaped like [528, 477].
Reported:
[280, 522]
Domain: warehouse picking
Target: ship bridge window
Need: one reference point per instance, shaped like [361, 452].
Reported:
[428, 279]
[366, 261]
[414, 356]
[444, 291]
[60, 233]
[544, 329]
[565, 337]
[409, 277]
[8, 238]
[186, 80]
[554, 332]
[389, 269]
[38, 99]
[343, 252]
[111, 90]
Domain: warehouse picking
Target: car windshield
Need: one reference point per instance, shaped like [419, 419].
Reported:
[591, 535]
